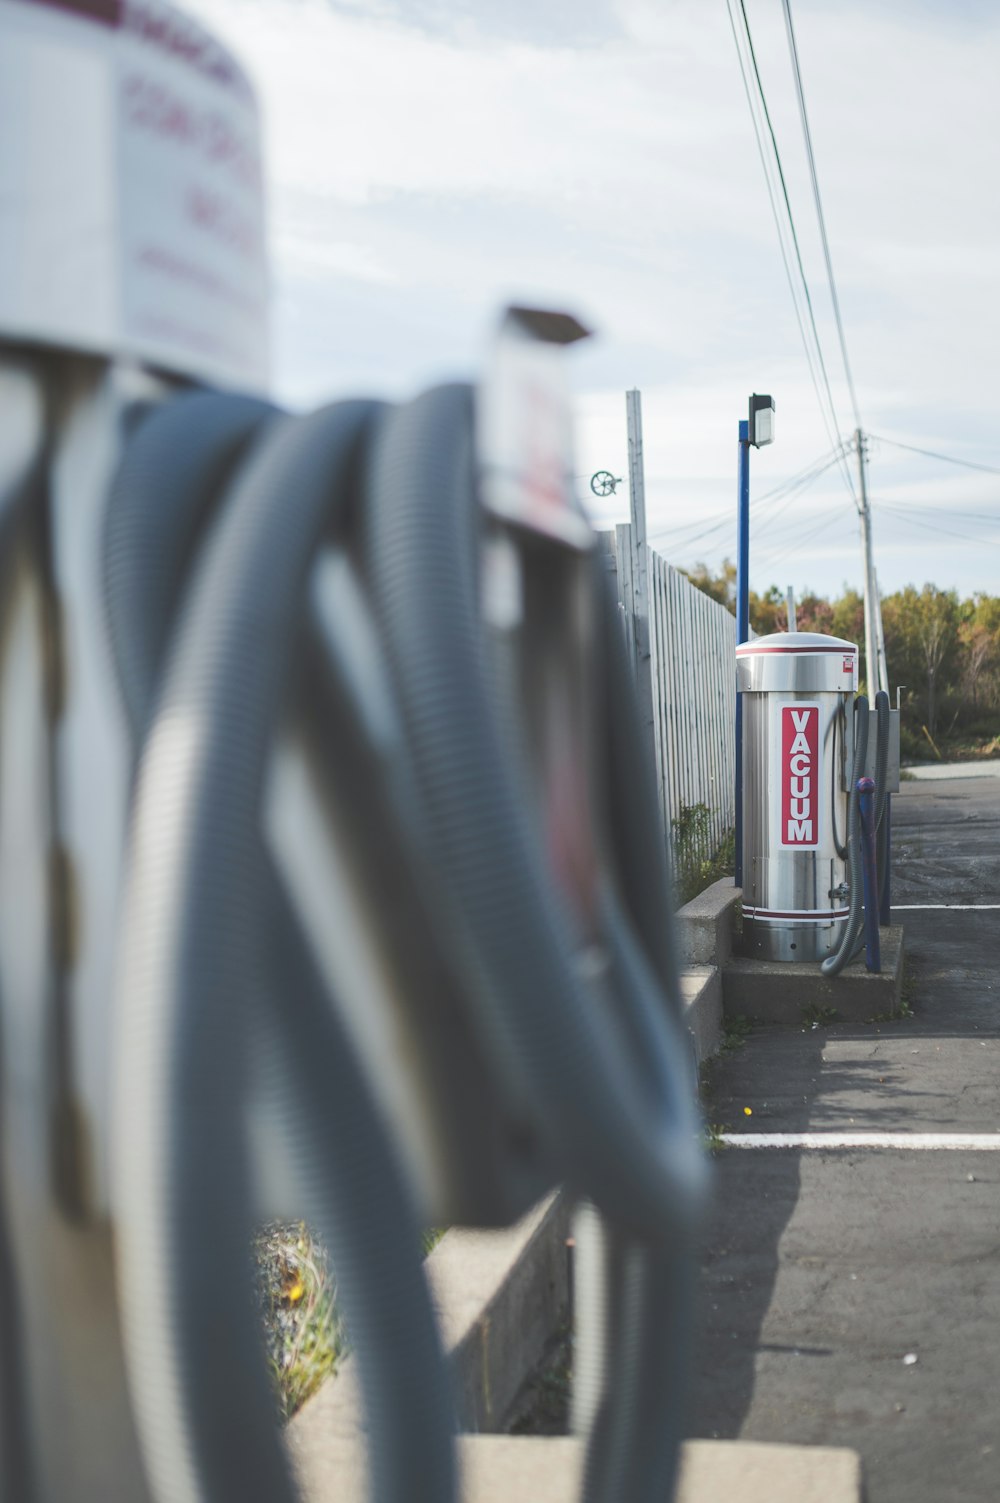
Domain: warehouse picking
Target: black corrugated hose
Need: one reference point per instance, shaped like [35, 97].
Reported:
[882, 724]
[192, 928]
[604, 1063]
[847, 948]
[617, 1118]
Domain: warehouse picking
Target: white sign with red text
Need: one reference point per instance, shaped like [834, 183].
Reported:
[799, 802]
[131, 207]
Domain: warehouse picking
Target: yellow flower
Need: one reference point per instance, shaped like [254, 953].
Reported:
[748, 1111]
[295, 1293]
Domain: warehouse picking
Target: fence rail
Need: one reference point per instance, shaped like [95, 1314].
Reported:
[692, 670]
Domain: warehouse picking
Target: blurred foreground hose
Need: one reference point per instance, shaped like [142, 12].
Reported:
[205, 590]
[192, 925]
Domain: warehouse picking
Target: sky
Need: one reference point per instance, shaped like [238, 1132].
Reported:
[431, 161]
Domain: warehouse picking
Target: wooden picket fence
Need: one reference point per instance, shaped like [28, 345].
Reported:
[684, 645]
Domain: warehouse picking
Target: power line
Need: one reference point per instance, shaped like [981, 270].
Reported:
[988, 469]
[786, 492]
[824, 526]
[916, 505]
[831, 432]
[807, 474]
[948, 532]
[794, 496]
[791, 216]
[819, 209]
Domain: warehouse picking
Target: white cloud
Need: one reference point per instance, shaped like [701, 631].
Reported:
[429, 164]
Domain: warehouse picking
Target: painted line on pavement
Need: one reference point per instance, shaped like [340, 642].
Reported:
[975, 1142]
[962, 907]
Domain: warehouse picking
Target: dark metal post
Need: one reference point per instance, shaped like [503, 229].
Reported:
[885, 897]
[869, 867]
[742, 618]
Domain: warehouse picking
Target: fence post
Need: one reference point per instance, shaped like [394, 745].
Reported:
[635, 581]
[742, 620]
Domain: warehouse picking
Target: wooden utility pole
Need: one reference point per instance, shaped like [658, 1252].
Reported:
[871, 586]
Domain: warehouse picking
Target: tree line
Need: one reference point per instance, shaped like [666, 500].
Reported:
[943, 652]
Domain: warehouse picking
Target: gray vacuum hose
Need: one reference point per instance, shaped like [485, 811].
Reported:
[835, 963]
[613, 1099]
[541, 1021]
[882, 726]
[883, 714]
[840, 846]
[634, 1441]
[192, 935]
[174, 470]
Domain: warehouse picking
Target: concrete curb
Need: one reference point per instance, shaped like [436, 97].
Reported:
[705, 925]
[701, 992]
[499, 1297]
[505, 1468]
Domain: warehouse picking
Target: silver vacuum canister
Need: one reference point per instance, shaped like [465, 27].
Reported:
[798, 693]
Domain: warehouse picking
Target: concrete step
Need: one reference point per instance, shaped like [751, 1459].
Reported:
[549, 1469]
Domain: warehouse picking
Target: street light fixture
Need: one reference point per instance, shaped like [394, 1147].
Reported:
[761, 421]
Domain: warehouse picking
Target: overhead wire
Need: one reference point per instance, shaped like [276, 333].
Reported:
[827, 408]
[785, 504]
[817, 199]
[969, 464]
[965, 537]
[828, 522]
[781, 496]
[791, 223]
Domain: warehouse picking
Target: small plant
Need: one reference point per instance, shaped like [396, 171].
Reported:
[817, 1016]
[696, 864]
[297, 1294]
[735, 1032]
[715, 1140]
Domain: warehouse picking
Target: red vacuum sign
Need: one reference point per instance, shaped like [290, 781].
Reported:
[800, 775]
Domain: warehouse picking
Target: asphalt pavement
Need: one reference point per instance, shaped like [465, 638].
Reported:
[851, 1297]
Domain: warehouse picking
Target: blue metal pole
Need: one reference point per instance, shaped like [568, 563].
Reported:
[869, 867]
[742, 617]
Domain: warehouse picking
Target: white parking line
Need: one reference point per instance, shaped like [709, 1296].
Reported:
[963, 907]
[976, 1142]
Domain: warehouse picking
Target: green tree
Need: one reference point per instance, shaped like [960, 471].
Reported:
[921, 636]
[813, 613]
[720, 587]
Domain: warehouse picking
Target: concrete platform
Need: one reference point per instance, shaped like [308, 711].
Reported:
[773, 991]
[506, 1469]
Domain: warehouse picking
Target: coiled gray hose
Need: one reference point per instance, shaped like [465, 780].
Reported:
[192, 931]
[882, 726]
[613, 1099]
[639, 1412]
[173, 473]
[540, 1018]
[881, 753]
[20, 505]
[840, 846]
[842, 955]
